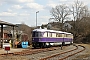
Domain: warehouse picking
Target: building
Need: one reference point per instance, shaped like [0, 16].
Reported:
[67, 26]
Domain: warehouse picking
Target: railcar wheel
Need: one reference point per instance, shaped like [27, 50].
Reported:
[43, 45]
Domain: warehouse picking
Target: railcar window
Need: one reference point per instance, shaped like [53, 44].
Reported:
[36, 34]
[65, 35]
[50, 34]
[33, 34]
[70, 36]
[40, 34]
[47, 34]
[53, 34]
[58, 35]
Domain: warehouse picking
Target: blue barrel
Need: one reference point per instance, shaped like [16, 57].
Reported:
[24, 44]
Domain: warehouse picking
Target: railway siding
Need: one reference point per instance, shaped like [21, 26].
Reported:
[84, 55]
[49, 53]
[43, 53]
[65, 55]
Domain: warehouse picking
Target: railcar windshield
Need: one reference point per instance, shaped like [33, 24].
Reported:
[37, 34]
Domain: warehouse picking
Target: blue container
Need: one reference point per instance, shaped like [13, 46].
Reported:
[24, 44]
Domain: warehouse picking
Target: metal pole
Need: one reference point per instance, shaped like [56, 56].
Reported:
[36, 17]
[13, 38]
[2, 36]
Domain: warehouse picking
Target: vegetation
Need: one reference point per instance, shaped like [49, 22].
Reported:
[80, 16]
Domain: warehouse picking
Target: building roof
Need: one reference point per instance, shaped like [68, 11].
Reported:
[6, 23]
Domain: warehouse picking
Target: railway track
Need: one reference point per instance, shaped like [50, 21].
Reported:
[65, 55]
[30, 51]
[58, 56]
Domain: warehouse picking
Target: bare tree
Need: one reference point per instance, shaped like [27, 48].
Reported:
[60, 13]
[86, 12]
[79, 10]
[80, 15]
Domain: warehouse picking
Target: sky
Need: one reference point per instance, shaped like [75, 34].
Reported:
[24, 11]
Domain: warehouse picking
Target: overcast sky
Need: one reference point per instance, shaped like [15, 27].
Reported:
[24, 11]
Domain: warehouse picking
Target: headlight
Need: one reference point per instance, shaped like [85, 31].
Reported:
[47, 43]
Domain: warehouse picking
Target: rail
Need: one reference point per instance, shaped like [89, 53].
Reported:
[65, 55]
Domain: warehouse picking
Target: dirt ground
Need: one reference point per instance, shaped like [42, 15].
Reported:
[85, 55]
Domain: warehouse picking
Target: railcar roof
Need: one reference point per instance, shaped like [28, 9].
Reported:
[54, 31]
[42, 30]
[67, 33]
[45, 30]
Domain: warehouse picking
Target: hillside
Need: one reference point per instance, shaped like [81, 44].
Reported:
[26, 29]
